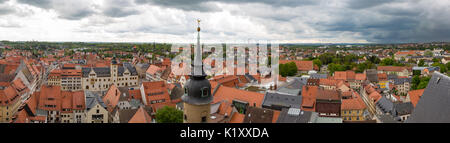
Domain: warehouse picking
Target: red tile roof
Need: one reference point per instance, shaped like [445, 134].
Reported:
[78, 101]
[393, 68]
[309, 94]
[157, 90]
[328, 82]
[360, 76]
[275, 116]
[50, 98]
[356, 103]
[141, 116]
[111, 99]
[66, 102]
[344, 75]
[153, 69]
[237, 118]
[406, 53]
[8, 96]
[414, 96]
[301, 65]
[229, 94]
[375, 96]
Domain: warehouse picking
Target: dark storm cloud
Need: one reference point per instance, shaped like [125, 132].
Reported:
[77, 15]
[361, 4]
[6, 10]
[120, 8]
[38, 3]
[207, 6]
[119, 12]
[67, 9]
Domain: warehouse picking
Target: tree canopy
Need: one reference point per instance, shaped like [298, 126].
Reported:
[169, 115]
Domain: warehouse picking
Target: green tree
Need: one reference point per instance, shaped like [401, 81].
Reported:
[292, 68]
[317, 62]
[169, 115]
[428, 53]
[421, 62]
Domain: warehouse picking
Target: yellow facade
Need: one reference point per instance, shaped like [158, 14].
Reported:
[8, 111]
[352, 115]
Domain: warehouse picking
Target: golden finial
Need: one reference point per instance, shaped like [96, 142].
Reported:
[198, 21]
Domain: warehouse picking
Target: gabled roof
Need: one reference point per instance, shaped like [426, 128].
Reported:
[318, 76]
[402, 108]
[434, 107]
[360, 76]
[258, 115]
[277, 99]
[99, 71]
[394, 68]
[301, 65]
[112, 97]
[356, 103]
[293, 115]
[294, 87]
[50, 98]
[399, 81]
[141, 116]
[126, 114]
[386, 105]
[344, 75]
[328, 95]
[93, 99]
[78, 101]
[153, 69]
[414, 96]
[8, 96]
[229, 94]
[309, 94]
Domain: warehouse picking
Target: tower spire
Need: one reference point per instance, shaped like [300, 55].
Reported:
[198, 64]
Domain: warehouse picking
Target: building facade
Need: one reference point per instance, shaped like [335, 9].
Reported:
[101, 78]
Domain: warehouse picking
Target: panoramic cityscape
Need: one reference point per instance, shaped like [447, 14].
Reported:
[150, 61]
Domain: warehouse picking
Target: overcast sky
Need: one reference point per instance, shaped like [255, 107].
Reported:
[296, 21]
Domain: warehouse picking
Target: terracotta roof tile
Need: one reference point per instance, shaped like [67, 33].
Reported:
[153, 69]
[141, 116]
[301, 65]
[393, 68]
[50, 98]
[229, 94]
[112, 97]
[309, 94]
[8, 96]
[356, 103]
[157, 90]
[275, 116]
[414, 96]
[237, 118]
[360, 76]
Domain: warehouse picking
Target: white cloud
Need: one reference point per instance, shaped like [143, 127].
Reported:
[225, 21]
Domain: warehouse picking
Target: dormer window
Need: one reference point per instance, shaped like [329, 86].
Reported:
[205, 92]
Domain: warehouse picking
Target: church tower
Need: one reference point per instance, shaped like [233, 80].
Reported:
[197, 96]
[114, 69]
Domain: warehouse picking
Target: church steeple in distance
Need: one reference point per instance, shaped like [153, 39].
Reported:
[197, 96]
